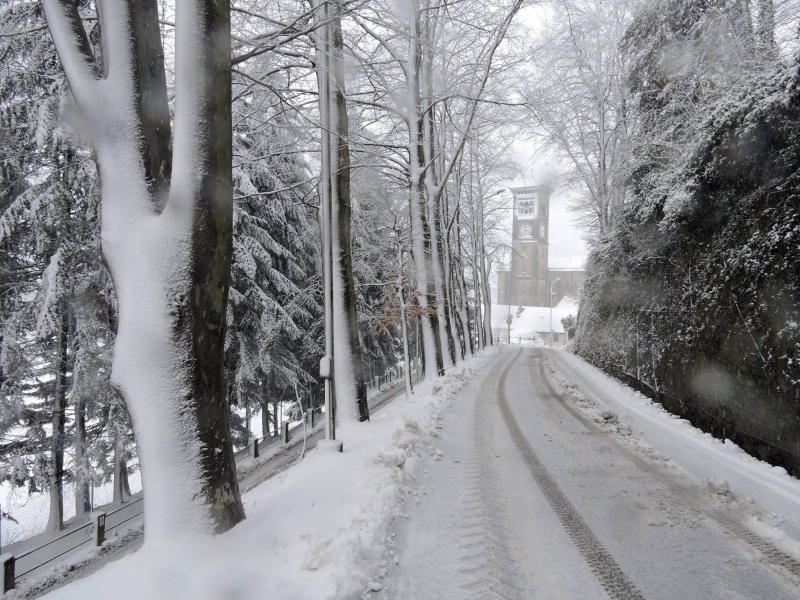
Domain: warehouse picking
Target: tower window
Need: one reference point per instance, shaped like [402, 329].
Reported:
[526, 209]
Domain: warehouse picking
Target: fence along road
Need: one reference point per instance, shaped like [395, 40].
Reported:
[275, 454]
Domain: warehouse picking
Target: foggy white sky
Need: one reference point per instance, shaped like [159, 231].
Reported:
[565, 238]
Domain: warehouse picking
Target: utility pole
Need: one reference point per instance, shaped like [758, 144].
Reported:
[323, 39]
[552, 293]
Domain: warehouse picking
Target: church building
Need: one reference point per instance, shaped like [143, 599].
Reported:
[528, 280]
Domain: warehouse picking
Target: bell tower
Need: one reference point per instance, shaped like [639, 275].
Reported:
[527, 280]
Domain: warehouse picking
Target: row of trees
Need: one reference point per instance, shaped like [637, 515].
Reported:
[162, 172]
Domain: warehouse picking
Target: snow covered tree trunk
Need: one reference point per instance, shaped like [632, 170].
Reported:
[420, 253]
[481, 260]
[432, 193]
[403, 323]
[348, 366]
[449, 293]
[463, 309]
[171, 266]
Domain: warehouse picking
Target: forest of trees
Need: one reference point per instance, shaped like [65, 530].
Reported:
[162, 173]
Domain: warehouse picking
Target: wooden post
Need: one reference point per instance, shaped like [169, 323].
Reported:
[312, 418]
[99, 520]
[286, 432]
[255, 448]
[8, 572]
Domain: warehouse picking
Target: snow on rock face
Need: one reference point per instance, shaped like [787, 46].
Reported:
[316, 532]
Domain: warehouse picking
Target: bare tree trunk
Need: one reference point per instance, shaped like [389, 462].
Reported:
[340, 159]
[122, 489]
[82, 499]
[56, 519]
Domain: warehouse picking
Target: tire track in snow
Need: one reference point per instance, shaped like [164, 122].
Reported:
[769, 552]
[486, 567]
[608, 572]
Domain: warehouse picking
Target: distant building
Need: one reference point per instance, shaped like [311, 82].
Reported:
[533, 325]
[527, 282]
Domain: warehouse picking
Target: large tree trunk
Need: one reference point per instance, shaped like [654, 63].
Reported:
[171, 268]
[420, 237]
[340, 193]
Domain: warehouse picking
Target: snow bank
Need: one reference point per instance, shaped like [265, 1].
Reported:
[315, 532]
[765, 499]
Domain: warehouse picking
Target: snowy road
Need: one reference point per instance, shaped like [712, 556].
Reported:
[537, 496]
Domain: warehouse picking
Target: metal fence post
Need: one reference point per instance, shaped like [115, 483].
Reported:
[312, 418]
[99, 521]
[255, 448]
[8, 572]
[286, 432]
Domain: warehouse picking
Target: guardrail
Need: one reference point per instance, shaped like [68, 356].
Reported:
[90, 534]
[101, 523]
[388, 378]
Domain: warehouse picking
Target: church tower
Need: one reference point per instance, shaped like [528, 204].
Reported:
[526, 283]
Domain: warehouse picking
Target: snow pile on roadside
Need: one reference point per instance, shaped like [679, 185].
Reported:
[608, 421]
[706, 464]
[315, 532]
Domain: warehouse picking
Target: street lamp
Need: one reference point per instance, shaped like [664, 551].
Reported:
[509, 318]
[552, 293]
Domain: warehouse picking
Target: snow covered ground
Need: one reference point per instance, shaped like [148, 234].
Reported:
[545, 492]
[315, 532]
[768, 495]
[533, 322]
[525, 473]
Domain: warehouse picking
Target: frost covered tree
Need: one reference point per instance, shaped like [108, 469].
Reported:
[273, 308]
[426, 68]
[166, 235]
[57, 308]
[579, 97]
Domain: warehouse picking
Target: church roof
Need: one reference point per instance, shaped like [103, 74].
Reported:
[530, 188]
[566, 263]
